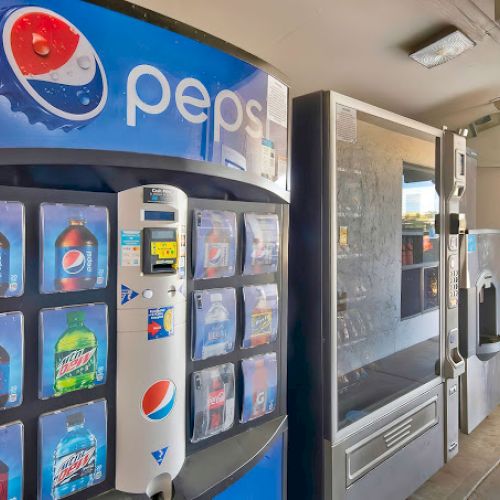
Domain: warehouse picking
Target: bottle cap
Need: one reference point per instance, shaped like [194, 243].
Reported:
[216, 297]
[75, 317]
[75, 419]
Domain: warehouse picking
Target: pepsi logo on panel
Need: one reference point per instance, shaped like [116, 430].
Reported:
[73, 262]
[50, 71]
[158, 401]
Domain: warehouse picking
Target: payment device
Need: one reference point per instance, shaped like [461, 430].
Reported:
[453, 178]
[151, 344]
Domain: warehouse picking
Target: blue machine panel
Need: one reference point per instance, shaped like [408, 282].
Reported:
[263, 482]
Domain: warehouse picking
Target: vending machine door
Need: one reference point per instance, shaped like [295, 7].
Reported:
[386, 302]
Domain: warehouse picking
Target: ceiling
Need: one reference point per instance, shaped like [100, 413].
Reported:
[360, 48]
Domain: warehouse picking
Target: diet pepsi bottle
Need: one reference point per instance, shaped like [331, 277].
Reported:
[4, 376]
[4, 264]
[74, 458]
[216, 329]
[4, 481]
[76, 258]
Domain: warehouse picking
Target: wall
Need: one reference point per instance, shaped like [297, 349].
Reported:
[488, 200]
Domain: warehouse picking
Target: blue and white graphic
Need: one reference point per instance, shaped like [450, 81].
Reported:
[159, 455]
[214, 322]
[127, 294]
[215, 239]
[11, 359]
[11, 461]
[261, 314]
[73, 448]
[60, 70]
[66, 351]
[159, 400]
[262, 237]
[11, 249]
[74, 247]
[260, 380]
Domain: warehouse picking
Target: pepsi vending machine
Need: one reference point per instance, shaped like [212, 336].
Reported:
[143, 258]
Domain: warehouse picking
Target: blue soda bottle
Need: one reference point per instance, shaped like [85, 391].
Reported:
[4, 265]
[74, 458]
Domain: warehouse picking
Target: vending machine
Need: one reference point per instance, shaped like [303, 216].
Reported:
[144, 214]
[373, 300]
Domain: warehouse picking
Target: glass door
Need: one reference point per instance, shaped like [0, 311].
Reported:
[387, 261]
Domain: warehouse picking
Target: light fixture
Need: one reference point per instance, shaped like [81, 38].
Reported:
[443, 50]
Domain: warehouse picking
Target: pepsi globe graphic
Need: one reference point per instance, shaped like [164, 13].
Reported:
[49, 70]
[73, 262]
[158, 401]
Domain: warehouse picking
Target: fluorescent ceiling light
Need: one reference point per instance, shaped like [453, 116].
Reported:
[443, 50]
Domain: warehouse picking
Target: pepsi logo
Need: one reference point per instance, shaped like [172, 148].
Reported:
[73, 262]
[158, 401]
[56, 65]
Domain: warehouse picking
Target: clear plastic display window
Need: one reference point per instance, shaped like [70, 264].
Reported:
[215, 241]
[387, 274]
[214, 322]
[260, 380]
[212, 401]
[262, 235]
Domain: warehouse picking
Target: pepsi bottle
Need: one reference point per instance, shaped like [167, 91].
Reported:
[4, 376]
[74, 458]
[4, 264]
[4, 481]
[76, 258]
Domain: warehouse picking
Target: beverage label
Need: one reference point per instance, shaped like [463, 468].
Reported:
[214, 322]
[76, 262]
[11, 249]
[11, 359]
[74, 466]
[75, 363]
[260, 381]
[261, 314]
[215, 237]
[73, 449]
[213, 401]
[11, 461]
[262, 237]
[74, 348]
[74, 247]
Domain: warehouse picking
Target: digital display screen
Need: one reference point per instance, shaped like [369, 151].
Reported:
[156, 215]
[163, 234]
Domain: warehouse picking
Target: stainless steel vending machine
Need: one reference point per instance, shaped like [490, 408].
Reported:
[144, 214]
[374, 300]
[479, 325]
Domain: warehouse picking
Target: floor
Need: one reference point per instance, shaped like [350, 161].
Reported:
[474, 474]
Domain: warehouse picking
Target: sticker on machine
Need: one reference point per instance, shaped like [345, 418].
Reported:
[130, 248]
[471, 243]
[127, 294]
[347, 124]
[159, 455]
[160, 322]
[277, 102]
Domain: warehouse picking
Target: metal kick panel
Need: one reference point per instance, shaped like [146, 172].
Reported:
[370, 452]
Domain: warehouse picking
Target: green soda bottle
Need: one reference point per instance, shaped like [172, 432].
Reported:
[75, 356]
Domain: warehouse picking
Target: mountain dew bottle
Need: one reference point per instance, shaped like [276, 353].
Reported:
[75, 356]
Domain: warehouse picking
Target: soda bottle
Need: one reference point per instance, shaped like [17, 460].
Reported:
[216, 403]
[74, 458]
[75, 356]
[216, 330]
[259, 389]
[76, 257]
[216, 248]
[4, 264]
[4, 376]
[4, 481]
[261, 321]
